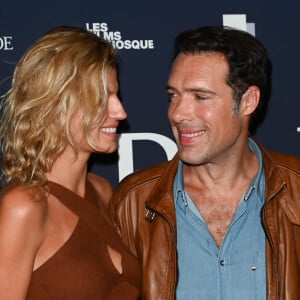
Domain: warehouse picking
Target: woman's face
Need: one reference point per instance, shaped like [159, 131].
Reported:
[104, 137]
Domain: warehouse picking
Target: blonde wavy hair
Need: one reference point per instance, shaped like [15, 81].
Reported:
[63, 71]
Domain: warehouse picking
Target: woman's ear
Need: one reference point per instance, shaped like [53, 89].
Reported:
[250, 100]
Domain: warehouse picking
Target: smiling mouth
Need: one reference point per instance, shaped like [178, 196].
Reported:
[109, 130]
[193, 134]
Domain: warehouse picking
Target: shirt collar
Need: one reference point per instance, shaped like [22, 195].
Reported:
[257, 184]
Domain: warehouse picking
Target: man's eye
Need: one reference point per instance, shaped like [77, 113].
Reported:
[171, 95]
[201, 97]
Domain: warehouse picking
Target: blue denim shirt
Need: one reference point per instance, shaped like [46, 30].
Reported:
[236, 271]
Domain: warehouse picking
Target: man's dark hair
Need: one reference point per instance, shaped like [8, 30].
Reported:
[247, 58]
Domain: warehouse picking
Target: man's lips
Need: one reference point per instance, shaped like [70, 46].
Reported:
[188, 136]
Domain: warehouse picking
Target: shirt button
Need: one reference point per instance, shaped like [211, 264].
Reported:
[222, 262]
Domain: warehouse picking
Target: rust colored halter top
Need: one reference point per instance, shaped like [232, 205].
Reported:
[82, 268]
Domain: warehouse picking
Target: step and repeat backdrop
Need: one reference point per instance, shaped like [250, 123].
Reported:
[143, 33]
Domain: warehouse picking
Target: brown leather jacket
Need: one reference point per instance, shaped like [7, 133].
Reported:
[143, 211]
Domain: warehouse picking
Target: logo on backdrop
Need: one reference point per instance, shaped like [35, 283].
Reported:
[6, 43]
[126, 149]
[239, 21]
[115, 37]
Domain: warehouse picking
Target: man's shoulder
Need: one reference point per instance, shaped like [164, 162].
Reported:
[286, 162]
[136, 187]
[144, 176]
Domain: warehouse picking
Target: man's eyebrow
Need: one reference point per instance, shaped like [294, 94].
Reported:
[201, 90]
[169, 87]
[193, 90]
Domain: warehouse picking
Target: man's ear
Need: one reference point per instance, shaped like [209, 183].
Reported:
[250, 100]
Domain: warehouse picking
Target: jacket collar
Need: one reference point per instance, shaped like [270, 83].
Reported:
[280, 187]
[161, 198]
[275, 183]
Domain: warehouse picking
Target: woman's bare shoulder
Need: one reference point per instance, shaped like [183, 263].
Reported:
[22, 220]
[23, 203]
[22, 193]
[102, 186]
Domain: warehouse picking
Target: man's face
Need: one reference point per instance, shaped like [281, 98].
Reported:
[201, 109]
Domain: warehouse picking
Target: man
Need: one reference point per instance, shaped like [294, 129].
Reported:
[221, 220]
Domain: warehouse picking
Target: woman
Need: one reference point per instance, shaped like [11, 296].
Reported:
[56, 241]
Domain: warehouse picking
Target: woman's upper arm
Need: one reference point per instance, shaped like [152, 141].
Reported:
[21, 234]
